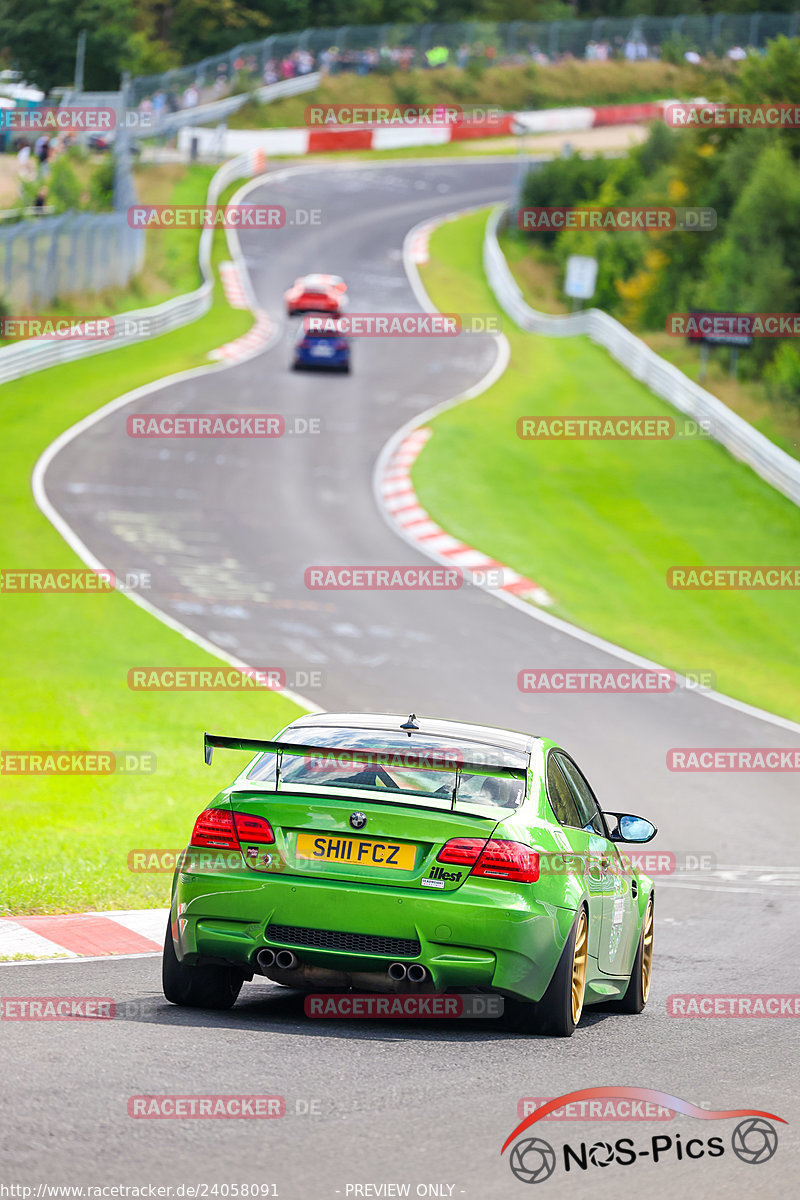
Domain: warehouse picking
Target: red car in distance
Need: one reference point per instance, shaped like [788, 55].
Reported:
[316, 293]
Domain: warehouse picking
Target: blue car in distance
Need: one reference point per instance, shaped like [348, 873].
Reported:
[320, 343]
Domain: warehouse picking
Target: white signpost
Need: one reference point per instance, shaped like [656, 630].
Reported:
[581, 277]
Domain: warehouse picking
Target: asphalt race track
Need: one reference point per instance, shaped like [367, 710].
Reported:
[227, 530]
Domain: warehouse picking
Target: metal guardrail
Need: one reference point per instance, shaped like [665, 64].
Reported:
[219, 110]
[667, 381]
[14, 214]
[36, 354]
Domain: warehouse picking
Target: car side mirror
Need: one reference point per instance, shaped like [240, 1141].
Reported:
[625, 827]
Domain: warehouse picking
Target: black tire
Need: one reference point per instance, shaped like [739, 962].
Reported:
[638, 989]
[197, 987]
[553, 1014]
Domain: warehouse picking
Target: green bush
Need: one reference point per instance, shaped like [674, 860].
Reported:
[476, 67]
[563, 181]
[782, 375]
[406, 91]
[64, 189]
[101, 186]
[674, 47]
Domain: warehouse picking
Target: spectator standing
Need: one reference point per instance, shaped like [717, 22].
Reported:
[159, 105]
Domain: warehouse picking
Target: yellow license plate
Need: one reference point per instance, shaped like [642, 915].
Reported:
[355, 851]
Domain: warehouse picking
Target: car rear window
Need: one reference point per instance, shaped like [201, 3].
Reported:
[407, 773]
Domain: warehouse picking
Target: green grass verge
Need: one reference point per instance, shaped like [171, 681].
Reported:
[540, 278]
[66, 657]
[598, 524]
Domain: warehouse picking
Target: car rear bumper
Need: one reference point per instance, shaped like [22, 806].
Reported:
[336, 362]
[483, 936]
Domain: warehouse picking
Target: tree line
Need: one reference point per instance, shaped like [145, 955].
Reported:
[148, 36]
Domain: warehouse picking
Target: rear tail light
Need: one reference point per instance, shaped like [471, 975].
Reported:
[493, 859]
[215, 827]
[340, 344]
[253, 829]
[222, 829]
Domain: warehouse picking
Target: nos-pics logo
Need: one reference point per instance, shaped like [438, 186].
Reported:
[533, 1160]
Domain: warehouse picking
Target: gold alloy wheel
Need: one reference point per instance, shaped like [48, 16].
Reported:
[647, 951]
[579, 963]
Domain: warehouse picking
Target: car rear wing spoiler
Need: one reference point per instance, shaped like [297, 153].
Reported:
[388, 758]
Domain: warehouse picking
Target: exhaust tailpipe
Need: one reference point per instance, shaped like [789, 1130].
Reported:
[286, 960]
[416, 973]
[397, 971]
[265, 959]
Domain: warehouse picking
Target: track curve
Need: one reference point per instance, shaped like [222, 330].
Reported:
[227, 530]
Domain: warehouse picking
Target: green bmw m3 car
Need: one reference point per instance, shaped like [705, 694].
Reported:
[398, 855]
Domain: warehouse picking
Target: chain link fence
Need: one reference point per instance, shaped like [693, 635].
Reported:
[365, 48]
[36, 354]
[45, 257]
